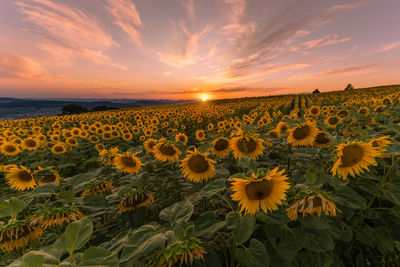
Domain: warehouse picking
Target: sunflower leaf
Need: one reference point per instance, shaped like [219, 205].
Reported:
[242, 227]
[78, 234]
[180, 211]
[97, 256]
[255, 255]
[11, 207]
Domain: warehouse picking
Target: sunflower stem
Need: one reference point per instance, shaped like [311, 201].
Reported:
[290, 151]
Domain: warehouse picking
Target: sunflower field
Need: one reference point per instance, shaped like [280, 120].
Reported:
[295, 180]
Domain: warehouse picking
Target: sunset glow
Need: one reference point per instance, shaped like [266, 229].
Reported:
[175, 49]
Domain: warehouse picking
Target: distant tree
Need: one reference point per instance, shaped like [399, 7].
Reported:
[349, 87]
[316, 91]
[102, 108]
[73, 109]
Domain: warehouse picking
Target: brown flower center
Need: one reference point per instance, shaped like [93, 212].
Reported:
[352, 154]
[128, 162]
[48, 178]
[259, 190]
[273, 134]
[245, 146]
[167, 149]
[333, 120]
[343, 113]
[314, 111]
[24, 176]
[321, 139]
[302, 132]
[30, 143]
[10, 148]
[363, 111]
[58, 149]
[198, 164]
[317, 202]
[221, 145]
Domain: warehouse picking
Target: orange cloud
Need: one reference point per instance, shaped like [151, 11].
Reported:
[17, 67]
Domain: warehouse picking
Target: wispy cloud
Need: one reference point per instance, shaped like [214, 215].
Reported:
[387, 47]
[328, 40]
[127, 18]
[66, 29]
[351, 69]
[189, 6]
[17, 67]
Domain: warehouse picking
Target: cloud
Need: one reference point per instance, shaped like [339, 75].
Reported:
[69, 30]
[17, 67]
[167, 73]
[228, 90]
[328, 40]
[189, 6]
[352, 69]
[127, 18]
[387, 47]
[234, 73]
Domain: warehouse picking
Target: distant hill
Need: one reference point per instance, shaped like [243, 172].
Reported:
[16, 108]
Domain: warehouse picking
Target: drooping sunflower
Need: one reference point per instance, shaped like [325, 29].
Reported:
[20, 178]
[10, 149]
[310, 204]
[164, 150]
[353, 158]
[55, 216]
[332, 121]
[47, 176]
[303, 135]
[260, 191]
[149, 145]
[181, 138]
[16, 235]
[321, 140]
[380, 144]
[98, 188]
[183, 252]
[197, 167]
[135, 199]
[200, 135]
[220, 147]
[59, 148]
[247, 145]
[128, 163]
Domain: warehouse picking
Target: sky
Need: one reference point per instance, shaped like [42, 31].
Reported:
[193, 49]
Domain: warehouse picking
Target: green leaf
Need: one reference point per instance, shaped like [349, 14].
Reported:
[44, 190]
[207, 225]
[96, 256]
[254, 256]
[143, 241]
[141, 180]
[278, 217]
[183, 230]
[213, 187]
[66, 196]
[349, 198]
[180, 211]
[78, 234]
[94, 203]
[384, 240]
[318, 241]
[391, 191]
[32, 260]
[242, 227]
[365, 234]
[58, 248]
[205, 147]
[11, 207]
[314, 222]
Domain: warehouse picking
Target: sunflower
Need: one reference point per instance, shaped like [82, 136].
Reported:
[363, 111]
[55, 216]
[183, 252]
[16, 235]
[314, 111]
[197, 167]
[20, 178]
[343, 114]
[274, 133]
[30, 144]
[281, 127]
[98, 188]
[247, 145]
[47, 176]
[93, 139]
[313, 203]
[200, 135]
[99, 147]
[164, 150]
[149, 145]
[380, 108]
[333, 121]
[321, 140]
[135, 199]
[303, 135]
[59, 148]
[265, 192]
[9, 149]
[128, 163]
[181, 138]
[353, 158]
[220, 147]
[380, 144]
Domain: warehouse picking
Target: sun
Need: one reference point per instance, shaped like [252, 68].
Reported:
[204, 98]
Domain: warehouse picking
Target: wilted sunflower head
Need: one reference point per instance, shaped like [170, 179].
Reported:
[220, 147]
[260, 191]
[321, 140]
[197, 167]
[51, 216]
[353, 158]
[16, 235]
[135, 199]
[97, 188]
